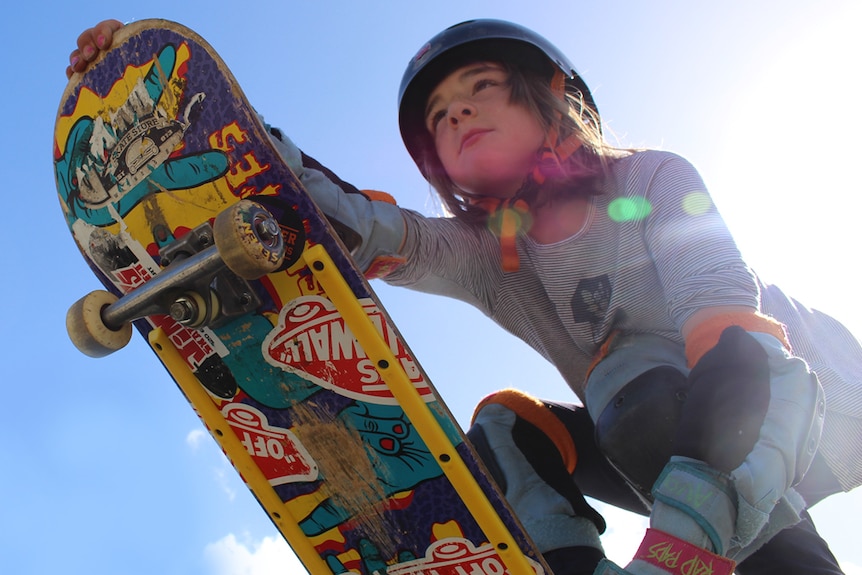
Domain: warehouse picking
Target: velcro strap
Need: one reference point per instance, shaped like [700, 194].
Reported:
[678, 557]
[608, 567]
[701, 493]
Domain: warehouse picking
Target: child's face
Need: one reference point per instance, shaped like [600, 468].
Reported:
[487, 144]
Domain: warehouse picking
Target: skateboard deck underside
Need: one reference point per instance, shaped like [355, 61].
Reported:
[152, 142]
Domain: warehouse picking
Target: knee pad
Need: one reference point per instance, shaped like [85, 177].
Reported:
[636, 430]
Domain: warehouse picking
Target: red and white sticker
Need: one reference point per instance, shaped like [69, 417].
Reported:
[313, 341]
[457, 556]
[195, 346]
[131, 277]
[276, 451]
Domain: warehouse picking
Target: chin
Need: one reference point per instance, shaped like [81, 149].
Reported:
[495, 189]
[490, 187]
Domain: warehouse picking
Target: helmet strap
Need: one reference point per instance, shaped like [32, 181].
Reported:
[554, 152]
[506, 218]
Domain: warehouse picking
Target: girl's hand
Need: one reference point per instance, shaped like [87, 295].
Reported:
[90, 43]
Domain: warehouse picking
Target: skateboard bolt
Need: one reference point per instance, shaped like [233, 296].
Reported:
[183, 309]
[268, 229]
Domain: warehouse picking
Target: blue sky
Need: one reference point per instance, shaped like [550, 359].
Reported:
[105, 469]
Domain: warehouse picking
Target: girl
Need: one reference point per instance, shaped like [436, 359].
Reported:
[701, 407]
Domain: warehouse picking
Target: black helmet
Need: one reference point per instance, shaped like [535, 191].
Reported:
[462, 44]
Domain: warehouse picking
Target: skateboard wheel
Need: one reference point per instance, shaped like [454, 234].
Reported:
[88, 331]
[192, 310]
[249, 240]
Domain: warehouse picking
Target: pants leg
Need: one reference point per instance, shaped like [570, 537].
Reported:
[797, 550]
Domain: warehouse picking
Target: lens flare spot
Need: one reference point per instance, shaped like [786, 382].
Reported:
[696, 203]
[509, 221]
[629, 209]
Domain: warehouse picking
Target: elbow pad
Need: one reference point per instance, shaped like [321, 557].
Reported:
[372, 227]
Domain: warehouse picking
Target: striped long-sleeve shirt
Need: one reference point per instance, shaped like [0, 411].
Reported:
[652, 252]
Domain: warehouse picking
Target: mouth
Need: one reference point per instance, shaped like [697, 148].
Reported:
[472, 137]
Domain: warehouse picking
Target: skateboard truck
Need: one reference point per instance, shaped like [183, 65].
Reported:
[217, 294]
[204, 281]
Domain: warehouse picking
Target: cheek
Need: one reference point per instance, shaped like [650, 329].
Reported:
[533, 134]
[446, 150]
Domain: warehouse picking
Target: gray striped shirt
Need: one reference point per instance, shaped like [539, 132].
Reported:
[653, 251]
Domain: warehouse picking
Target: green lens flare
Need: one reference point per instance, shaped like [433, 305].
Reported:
[696, 203]
[629, 209]
[638, 208]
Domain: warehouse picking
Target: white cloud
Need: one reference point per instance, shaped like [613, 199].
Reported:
[194, 438]
[270, 556]
[226, 479]
[851, 568]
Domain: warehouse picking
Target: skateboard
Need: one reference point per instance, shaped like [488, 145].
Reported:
[208, 246]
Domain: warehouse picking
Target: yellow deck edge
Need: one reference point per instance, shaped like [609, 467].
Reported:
[429, 429]
[237, 453]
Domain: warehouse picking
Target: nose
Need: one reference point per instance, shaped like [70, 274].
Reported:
[460, 110]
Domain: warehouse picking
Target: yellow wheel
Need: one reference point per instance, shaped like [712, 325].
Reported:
[87, 330]
[249, 240]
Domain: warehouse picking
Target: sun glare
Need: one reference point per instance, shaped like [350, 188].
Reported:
[787, 184]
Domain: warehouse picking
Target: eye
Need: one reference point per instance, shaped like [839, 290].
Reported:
[435, 118]
[483, 83]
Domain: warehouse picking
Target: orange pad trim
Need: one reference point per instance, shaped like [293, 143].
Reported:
[378, 196]
[382, 266]
[705, 335]
[538, 414]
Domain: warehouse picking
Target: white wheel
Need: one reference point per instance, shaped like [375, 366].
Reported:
[192, 310]
[87, 330]
[249, 240]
